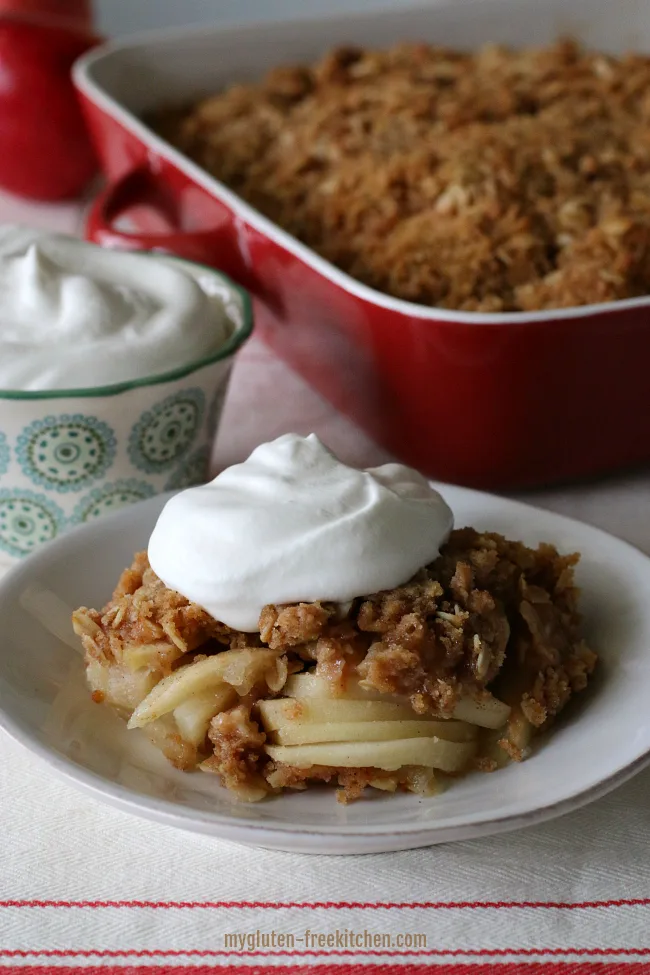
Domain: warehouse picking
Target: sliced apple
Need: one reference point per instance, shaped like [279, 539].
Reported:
[300, 733]
[154, 656]
[194, 715]
[423, 781]
[450, 756]
[519, 729]
[307, 687]
[237, 668]
[486, 712]
[286, 711]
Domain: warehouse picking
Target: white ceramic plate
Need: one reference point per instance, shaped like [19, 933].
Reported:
[603, 741]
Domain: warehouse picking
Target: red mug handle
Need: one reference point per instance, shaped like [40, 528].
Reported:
[217, 247]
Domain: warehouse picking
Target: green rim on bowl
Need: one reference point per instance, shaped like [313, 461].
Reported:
[229, 347]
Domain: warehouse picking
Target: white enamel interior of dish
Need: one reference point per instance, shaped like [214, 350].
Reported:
[128, 77]
[44, 703]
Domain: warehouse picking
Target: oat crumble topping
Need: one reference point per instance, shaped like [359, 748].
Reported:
[493, 181]
[489, 615]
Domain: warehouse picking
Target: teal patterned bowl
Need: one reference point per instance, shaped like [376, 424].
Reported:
[70, 456]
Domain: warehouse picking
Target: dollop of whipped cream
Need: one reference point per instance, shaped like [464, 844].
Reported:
[293, 524]
[75, 315]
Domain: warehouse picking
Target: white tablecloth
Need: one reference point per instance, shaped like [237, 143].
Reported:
[82, 885]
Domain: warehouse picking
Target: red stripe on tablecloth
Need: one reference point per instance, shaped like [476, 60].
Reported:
[334, 905]
[510, 968]
[428, 953]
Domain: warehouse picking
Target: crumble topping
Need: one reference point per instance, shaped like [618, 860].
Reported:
[493, 181]
[143, 613]
[489, 616]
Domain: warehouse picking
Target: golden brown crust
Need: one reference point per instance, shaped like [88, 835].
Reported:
[490, 181]
[144, 612]
[513, 752]
[290, 626]
[352, 782]
[237, 752]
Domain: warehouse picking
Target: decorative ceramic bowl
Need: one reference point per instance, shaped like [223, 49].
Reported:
[69, 456]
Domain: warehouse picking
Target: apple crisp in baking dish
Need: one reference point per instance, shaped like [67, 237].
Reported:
[492, 181]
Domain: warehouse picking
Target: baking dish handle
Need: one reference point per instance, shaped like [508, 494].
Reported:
[217, 247]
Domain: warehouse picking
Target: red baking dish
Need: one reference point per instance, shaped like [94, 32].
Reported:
[486, 400]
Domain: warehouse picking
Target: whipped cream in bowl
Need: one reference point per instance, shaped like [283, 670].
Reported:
[113, 372]
[74, 315]
[293, 524]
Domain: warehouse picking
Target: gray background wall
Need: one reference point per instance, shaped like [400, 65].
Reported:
[124, 16]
